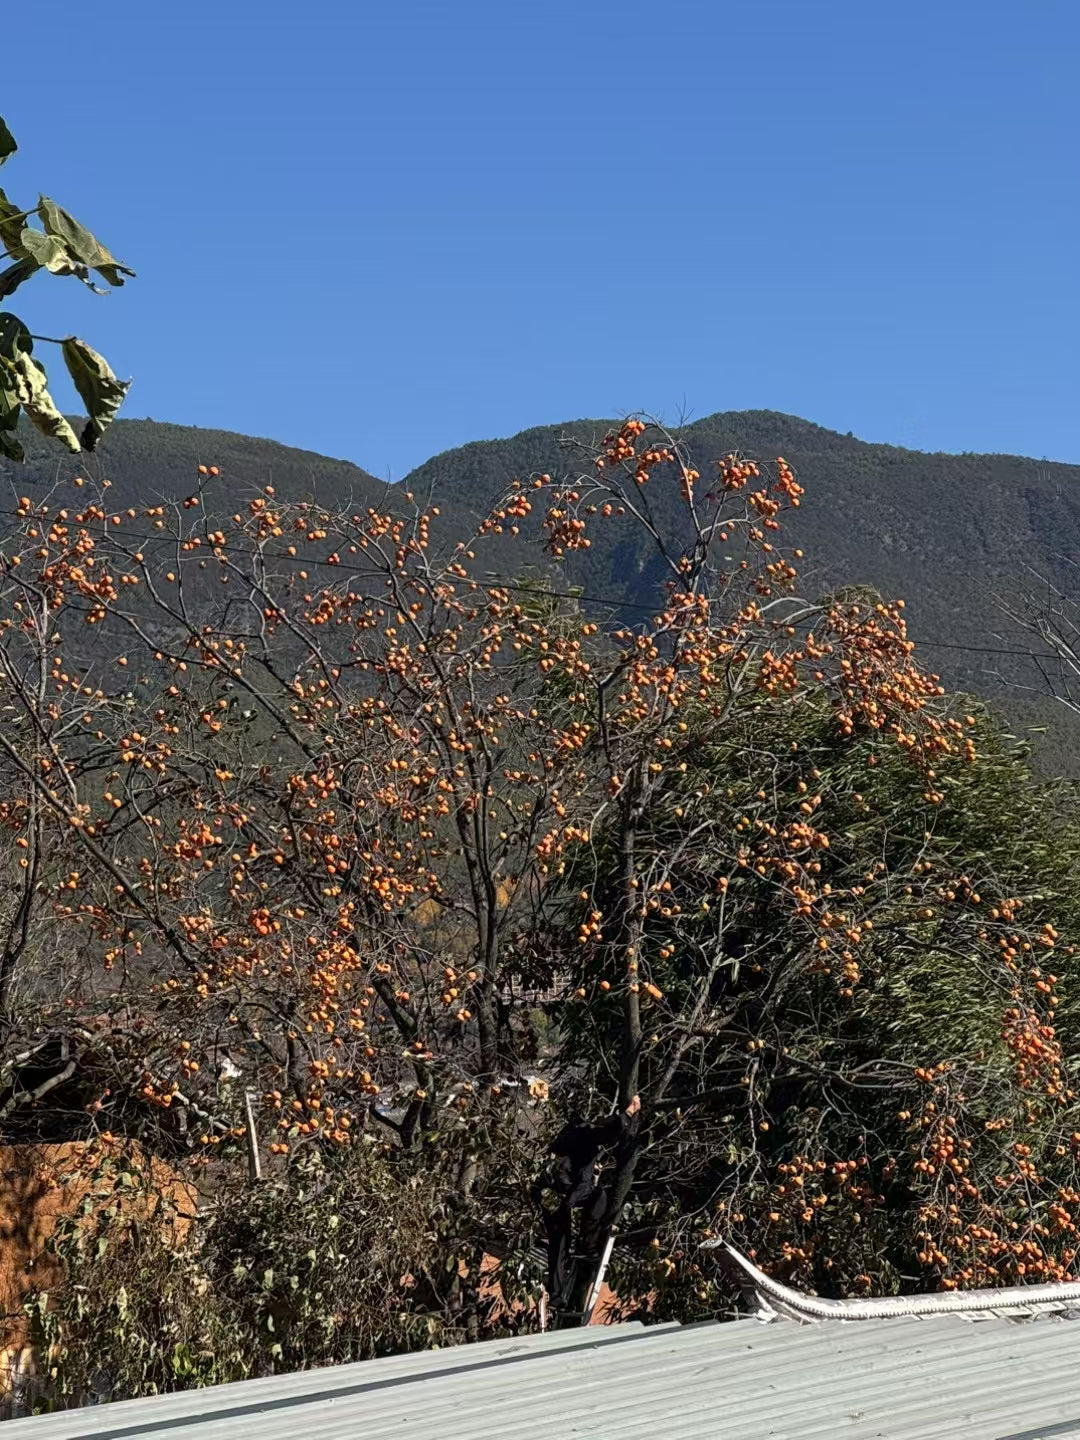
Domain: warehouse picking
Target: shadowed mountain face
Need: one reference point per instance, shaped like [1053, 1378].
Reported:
[147, 461]
[951, 534]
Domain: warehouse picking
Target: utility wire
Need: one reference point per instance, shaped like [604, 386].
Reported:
[490, 581]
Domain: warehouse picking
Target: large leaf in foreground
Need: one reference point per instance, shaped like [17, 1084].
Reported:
[21, 374]
[80, 244]
[12, 225]
[101, 392]
[14, 275]
[9, 419]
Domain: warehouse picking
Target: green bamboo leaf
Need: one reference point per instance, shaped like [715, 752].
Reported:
[7, 142]
[79, 243]
[101, 392]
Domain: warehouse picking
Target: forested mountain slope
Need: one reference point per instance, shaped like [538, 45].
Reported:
[951, 534]
[146, 461]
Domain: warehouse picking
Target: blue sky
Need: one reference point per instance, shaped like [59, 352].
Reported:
[380, 230]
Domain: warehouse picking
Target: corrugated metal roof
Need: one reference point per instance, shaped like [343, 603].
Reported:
[938, 1378]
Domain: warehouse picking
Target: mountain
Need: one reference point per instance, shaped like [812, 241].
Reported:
[951, 534]
[147, 460]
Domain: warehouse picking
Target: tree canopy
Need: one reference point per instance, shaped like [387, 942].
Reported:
[729, 901]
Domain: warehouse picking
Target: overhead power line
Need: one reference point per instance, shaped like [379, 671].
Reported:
[505, 583]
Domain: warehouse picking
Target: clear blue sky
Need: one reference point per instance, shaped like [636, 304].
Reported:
[382, 229]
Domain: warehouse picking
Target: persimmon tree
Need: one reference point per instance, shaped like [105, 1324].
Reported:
[809, 1123]
[322, 801]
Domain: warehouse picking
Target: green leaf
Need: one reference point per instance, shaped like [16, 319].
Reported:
[181, 1360]
[9, 446]
[99, 389]
[9, 416]
[80, 243]
[50, 253]
[13, 337]
[7, 142]
[14, 275]
[20, 373]
[11, 228]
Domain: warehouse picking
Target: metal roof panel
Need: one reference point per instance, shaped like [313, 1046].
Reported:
[939, 1378]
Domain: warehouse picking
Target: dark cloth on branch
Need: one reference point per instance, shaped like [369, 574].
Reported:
[576, 1149]
[572, 1176]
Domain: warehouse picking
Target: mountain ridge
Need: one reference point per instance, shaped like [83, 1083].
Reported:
[954, 535]
[951, 533]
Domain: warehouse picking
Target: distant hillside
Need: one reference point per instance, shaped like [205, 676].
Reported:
[948, 533]
[145, 459]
